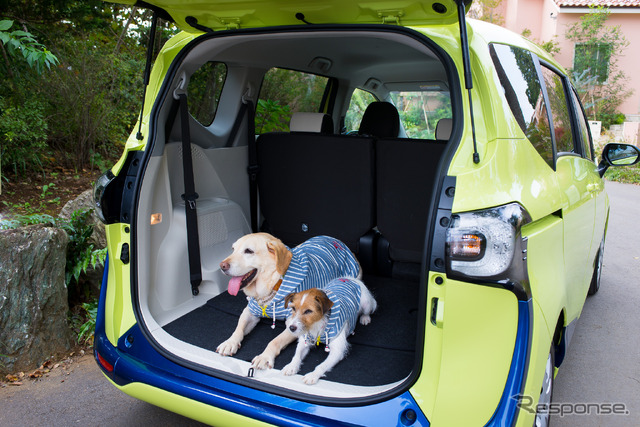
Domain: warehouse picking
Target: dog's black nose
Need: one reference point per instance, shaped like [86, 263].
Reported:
[292, 328]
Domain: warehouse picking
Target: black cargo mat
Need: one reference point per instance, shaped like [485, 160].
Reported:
[381, 352]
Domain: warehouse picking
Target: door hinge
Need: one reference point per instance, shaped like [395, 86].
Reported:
[231, 23]
[390, 16]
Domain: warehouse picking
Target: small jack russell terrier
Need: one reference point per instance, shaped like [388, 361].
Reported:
[328, 316]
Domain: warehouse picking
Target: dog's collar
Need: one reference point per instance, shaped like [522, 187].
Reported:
[309, 341]
[263, 303]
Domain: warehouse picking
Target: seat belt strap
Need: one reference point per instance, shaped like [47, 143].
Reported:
[236, 125]
[253, 167]
[190, 196]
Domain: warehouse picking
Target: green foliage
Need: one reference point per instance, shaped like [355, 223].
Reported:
[420, 112]
[612, 119]
[80, 252]
[203, 93]
[272, 117]
[85, 106]
[23, 135]
[602, 86]
[552, 46]
[85, 333]
[16, 221]
[90, 98]
[285, 92]
[20, 44]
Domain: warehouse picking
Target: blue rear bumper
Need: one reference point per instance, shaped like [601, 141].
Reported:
[135, 360]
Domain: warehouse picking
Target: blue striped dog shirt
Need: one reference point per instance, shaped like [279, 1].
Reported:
[314, 263]
[345, 294]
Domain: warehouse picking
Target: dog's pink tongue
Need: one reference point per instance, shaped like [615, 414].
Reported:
[234, 285]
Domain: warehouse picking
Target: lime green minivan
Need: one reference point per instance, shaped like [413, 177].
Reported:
[453, 157]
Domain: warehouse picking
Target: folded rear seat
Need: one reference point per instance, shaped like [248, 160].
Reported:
[405, 173]
[312, 183]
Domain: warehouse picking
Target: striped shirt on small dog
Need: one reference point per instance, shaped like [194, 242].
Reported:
[345, 294]
[315, 263]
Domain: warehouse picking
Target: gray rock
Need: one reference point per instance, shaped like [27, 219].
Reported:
[85, 202]
[33, 297]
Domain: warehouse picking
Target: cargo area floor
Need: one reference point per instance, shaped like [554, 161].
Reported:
[381, 352]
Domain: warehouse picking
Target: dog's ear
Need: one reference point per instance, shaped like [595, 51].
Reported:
[288, 299]
[281, 253]
[324, 302]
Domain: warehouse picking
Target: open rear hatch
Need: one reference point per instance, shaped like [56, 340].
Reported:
[187, 328]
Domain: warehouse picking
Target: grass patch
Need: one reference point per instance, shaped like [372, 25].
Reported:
[624, 174]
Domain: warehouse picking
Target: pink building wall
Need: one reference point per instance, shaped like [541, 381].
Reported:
[545, 19]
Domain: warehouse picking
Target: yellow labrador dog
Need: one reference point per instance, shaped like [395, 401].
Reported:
[267, 271]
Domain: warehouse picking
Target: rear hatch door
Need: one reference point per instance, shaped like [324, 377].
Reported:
[194, 16]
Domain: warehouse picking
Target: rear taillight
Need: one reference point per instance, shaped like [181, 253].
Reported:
[487, 244]
[99, 190]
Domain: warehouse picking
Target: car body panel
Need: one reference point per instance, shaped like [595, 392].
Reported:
[120, 316]
[219, 15]
[449, 377]
[578, 177]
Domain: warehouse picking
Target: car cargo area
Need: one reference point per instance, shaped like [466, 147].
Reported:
[370, 189]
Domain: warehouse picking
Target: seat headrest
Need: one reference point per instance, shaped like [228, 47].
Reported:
[380, 119]
[311, 122]
[443, 129]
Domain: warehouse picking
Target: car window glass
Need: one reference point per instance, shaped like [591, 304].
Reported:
[583, 128]
[203, 92]
[559, 111]
[360, 100]
[516, 70]
[285, 92]
[420, 111]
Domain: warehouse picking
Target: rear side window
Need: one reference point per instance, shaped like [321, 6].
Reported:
[559, 111]
[583, 128]
[285, 92]
[203, 93]
[519, 79]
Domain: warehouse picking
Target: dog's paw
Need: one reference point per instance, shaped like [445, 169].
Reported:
[291, 369]
[228, 348]
[311, 378]
[263, 362]
[365, 319]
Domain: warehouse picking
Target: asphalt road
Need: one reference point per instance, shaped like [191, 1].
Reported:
[602, 367]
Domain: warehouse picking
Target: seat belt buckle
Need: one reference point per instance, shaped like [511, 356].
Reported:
[190, 200]
[252, 170]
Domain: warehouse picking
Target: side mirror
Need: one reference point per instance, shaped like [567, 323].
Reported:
[618, 155]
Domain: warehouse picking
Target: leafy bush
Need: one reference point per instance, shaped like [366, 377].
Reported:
[612, 119]
[23, 135]
[85, 333]
[93, 98]
[627, 174]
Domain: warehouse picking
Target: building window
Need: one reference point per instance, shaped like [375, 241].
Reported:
[592, 59]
